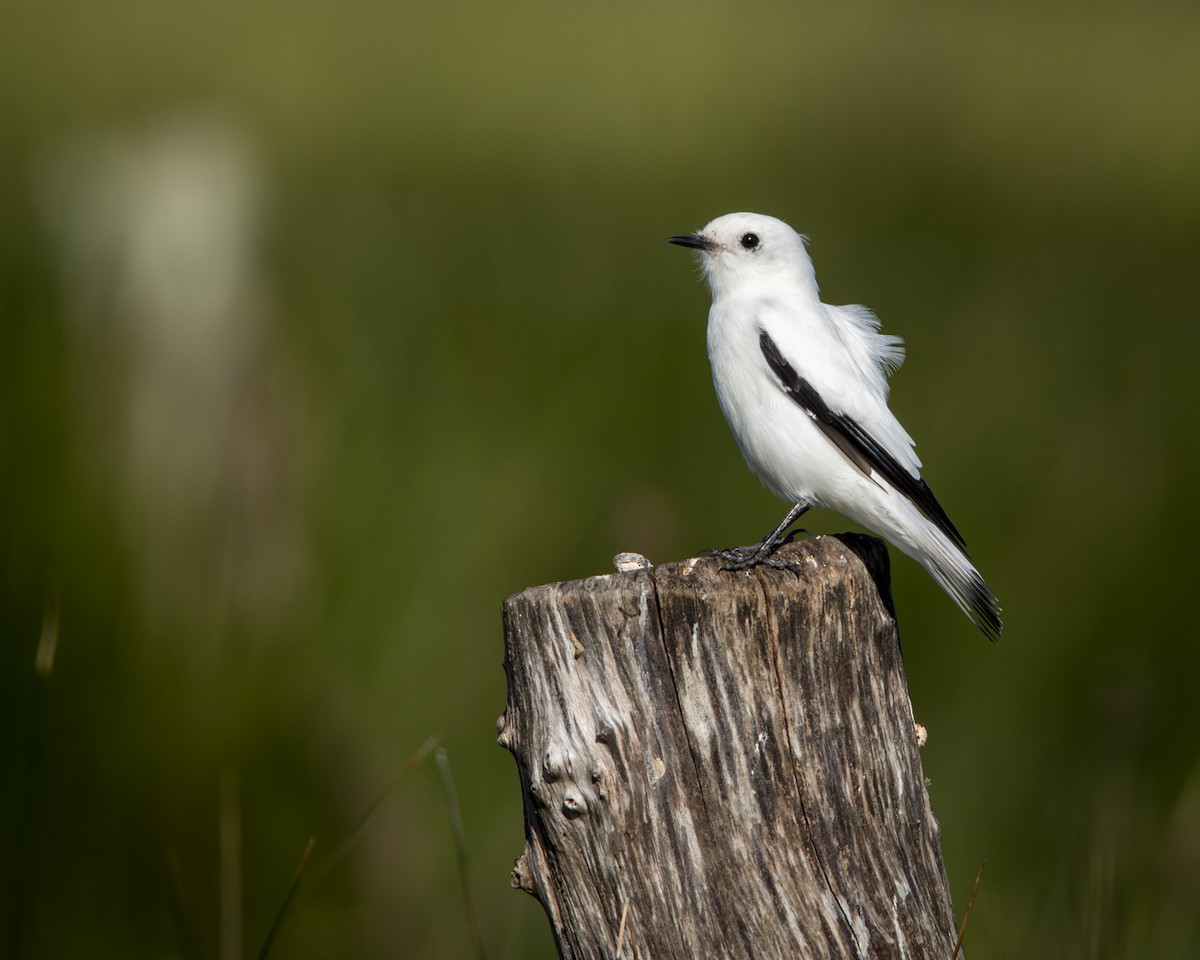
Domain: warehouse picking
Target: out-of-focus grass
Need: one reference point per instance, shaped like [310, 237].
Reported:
[452, 356]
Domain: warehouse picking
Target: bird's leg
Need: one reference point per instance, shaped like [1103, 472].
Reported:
[742, 558]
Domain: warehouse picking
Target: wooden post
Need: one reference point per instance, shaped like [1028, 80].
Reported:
[720, 764]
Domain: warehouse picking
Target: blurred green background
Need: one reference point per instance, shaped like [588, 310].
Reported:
[327, 325]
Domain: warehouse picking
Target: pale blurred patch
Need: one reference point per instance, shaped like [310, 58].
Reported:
[183, 398]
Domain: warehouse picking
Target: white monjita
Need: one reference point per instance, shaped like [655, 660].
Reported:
[804, 387]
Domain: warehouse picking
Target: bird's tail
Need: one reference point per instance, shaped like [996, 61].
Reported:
[952, 569]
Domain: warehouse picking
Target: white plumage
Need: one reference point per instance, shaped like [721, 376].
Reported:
[804, 387]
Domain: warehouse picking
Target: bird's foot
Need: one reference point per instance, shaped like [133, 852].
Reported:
[743, 558]
[760, 554]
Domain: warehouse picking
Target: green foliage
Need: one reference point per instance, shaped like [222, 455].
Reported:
[326, 326]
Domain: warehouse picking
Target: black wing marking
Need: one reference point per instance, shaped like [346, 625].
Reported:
[859, 446]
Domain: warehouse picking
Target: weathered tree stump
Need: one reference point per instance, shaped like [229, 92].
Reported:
[720, 764]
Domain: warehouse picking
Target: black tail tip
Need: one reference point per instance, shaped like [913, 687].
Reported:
[984, 609]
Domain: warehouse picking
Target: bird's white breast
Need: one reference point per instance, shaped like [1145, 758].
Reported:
[779, 440]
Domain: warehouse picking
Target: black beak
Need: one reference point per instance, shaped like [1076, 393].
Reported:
[693, 240]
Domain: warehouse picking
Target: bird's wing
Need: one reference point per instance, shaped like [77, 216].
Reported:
[844, 357]
[861, 392]
[875, 353]
[860, 446]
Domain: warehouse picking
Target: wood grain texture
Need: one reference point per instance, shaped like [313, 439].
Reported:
[724, 764]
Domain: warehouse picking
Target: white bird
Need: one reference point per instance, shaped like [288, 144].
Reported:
[804, 387]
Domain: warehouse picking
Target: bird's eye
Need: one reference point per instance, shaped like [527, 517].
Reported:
[749, 240]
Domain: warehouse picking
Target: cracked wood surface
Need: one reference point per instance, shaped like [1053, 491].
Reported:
[724, 764]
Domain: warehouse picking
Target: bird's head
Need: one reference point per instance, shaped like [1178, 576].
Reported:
[749, 248]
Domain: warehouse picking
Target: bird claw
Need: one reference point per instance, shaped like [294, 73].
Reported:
[737, 560]
[760, 554]
[744, 558]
